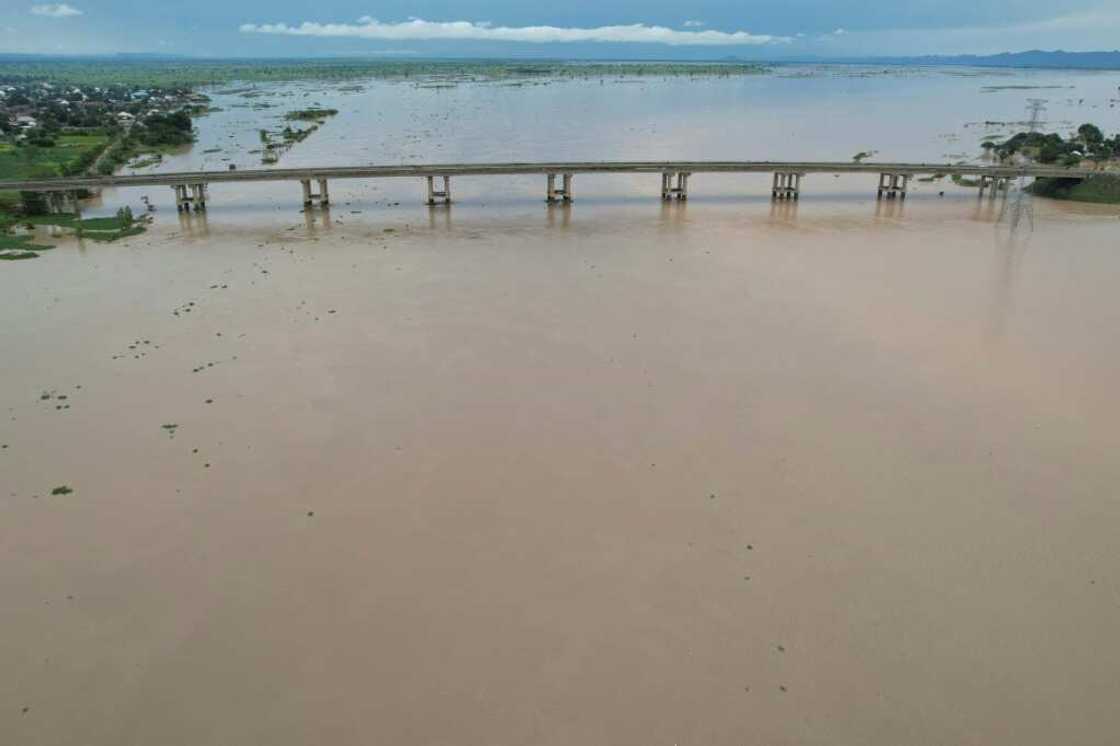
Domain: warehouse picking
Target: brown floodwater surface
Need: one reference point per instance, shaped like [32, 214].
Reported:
[709, 473]
[623, 472]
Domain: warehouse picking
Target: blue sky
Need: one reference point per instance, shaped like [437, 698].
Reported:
[708, 29]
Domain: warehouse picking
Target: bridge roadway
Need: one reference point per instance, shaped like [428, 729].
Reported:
[893, 177]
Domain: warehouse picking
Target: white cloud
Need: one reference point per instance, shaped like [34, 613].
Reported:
[694, 24]
[417, 29]
[60, 10]
[839, 32]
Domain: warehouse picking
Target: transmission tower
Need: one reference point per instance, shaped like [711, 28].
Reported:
[1022, 206]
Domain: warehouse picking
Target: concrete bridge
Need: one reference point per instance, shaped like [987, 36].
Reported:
[192, 187]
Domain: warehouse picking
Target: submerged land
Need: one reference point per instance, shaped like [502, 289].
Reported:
[623, 471]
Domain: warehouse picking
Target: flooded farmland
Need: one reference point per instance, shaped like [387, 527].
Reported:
[720, 471]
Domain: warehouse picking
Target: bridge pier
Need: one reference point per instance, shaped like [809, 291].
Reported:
[564, 193]
[680, 191]
[893, 185]
[182, 200]
[310, 197]
[993, 184]
[59, 202]
[190, 194]
[787, 185]
[444, 194]
[198, 196]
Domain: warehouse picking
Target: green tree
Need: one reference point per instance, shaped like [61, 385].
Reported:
[1090, 134]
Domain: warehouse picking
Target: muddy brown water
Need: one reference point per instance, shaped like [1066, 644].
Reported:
[618, 473]
[719, 472]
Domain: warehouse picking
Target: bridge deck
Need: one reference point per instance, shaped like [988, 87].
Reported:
[491, 169]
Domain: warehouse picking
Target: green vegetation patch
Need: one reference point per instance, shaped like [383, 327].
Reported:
[108, 236]
[104, 229]
[310, 114]
[1101, 188]
[71, 154]
[10, 242]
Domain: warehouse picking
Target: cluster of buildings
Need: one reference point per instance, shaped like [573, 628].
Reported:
[28, 108]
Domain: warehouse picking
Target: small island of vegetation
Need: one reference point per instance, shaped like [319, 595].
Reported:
[304, 115]
[1088, 147]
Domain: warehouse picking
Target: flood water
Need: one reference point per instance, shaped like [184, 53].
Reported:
[714, 472]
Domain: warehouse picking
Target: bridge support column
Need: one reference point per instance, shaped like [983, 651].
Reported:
[787, 185]
[444, 194]
[56, 202]
[564, 193]
[310, 197]
[680, 191]
[993, 184]
[182, 199]
[198, 197]
[893, 186]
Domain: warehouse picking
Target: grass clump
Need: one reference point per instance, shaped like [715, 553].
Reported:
[63, 490]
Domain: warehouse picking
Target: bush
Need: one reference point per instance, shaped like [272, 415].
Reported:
[166, 129]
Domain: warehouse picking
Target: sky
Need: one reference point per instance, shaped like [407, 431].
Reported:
[629, 29]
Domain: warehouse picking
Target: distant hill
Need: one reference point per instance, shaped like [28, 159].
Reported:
[1033, 58]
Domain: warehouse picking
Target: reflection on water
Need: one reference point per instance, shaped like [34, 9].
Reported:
[439, 215]
[784, 211]
[1017, 210]
[1011, 249]
[194, 224]
[890, 209]
[988, 209]
[674, 213]
[316, 219]
[558, 214]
